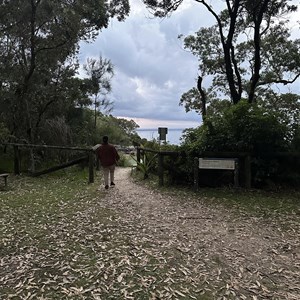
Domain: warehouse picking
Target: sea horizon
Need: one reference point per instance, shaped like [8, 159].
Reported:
[140, 129]
[173, 135]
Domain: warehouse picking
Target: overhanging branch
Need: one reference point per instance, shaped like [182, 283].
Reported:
[283, 81]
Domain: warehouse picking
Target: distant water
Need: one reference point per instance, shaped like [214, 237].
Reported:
[173, 136]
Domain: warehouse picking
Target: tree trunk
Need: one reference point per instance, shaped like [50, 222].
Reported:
[257, 16]
[203, 97]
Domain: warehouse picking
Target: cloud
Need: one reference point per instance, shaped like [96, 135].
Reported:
[152, 70]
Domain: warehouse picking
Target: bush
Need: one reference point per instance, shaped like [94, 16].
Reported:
[4, 133]
[244, 127]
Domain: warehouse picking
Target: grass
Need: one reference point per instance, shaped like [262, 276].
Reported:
[47, 221]
[254, 201]
[283, 202]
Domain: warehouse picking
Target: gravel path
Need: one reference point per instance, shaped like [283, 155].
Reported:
[205, 249]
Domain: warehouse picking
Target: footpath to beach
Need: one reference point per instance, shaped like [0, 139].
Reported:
[190, 248]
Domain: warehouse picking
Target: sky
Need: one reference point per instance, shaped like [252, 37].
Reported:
[152, 70]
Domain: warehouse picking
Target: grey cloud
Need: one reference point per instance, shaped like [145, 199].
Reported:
[151, 68]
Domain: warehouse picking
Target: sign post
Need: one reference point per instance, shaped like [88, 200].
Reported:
[216, 164]
[163, 131]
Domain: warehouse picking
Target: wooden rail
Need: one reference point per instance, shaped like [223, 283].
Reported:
[245, 159]
[89, 158]
[161, 155]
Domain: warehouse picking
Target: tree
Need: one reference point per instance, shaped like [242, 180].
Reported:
[120, 131]
[129, 126]
[287, 109]
[4, 133]
[38, 45]
[195, 99]
[100, 73]
[236, 51]
[39, 39]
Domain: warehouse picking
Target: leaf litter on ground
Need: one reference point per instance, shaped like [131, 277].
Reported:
[63, 239]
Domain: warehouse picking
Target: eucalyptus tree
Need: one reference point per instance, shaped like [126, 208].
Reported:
[249, 46]
[38, 45]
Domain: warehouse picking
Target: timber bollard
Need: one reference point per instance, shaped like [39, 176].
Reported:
[91, 166]
[16, 160]
[161, 169]
[138, 155]
[196, 173]
[247, 166]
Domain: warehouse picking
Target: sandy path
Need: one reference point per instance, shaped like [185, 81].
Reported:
[232, 254]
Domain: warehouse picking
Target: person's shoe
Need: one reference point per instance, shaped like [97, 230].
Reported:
[106, 187]
[112, 184]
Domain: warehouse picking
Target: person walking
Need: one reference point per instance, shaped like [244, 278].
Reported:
[108, 157]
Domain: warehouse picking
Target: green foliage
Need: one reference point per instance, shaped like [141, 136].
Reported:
[100, 72]
[286, 107]
[296, 139]
[84, 132]
[250, 46]
[6, 161]
[147, 163]
[4, 133]
[248, 50]
[130, 160]
[250, 128]
[191, 101]
[126, 160]
[39, 45]
[129, 126]
[242, 127]
[122, 130]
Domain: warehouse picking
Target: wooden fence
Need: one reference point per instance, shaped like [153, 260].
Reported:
[89, 157]
[244, 159]
[160, 159]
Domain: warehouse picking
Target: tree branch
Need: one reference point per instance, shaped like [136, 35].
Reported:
[283, 81]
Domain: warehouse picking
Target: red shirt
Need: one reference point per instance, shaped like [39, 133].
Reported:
[108, 155]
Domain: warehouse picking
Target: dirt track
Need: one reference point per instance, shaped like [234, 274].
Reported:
[219, 252]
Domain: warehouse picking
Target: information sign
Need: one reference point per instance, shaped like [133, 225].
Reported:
[220, 164]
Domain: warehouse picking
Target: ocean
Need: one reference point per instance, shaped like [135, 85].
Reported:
[173, 135]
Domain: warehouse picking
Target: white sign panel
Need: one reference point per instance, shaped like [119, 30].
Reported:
[220, 164]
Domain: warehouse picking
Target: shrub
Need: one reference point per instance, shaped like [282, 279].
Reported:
[243, 127]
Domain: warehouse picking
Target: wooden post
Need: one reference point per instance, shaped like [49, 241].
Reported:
[236, 174]
[91, 166]
[97, 163]
[94, 149]
[247, 166]
[161, 169]
[16, 160]
[196, 173]
[138, 155]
